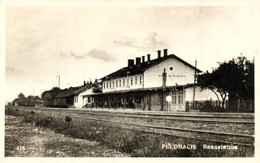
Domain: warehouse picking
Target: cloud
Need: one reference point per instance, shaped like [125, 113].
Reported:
[126, 42]
[123, 42]
[62, 54]
[100, 55]
[72, 54]
[76, 56]
[11, 71]
[150, 42]
[94, 53]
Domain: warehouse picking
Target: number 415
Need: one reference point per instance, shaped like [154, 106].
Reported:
[20, 148]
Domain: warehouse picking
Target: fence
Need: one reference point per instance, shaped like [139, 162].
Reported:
[206, 106]
[237, 105]
[240, 105]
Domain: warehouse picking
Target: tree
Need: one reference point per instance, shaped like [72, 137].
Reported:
[214, 82]
[95, 84]
[30, 98]
[232, 79]
[21, 100]
[249, 87]
[37, 98]
[21, 96]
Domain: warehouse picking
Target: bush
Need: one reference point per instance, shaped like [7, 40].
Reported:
[44, 122]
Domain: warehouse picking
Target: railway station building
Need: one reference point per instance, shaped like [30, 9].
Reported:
[69, 97]
[163, 83]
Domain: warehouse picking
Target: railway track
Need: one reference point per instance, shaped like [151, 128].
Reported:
[180, 114]
[248, 139]
[201, 135]
[162, 113]
[173, 117]
[209, 118]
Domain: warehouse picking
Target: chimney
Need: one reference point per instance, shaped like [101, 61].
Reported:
[159, 53]
[137, 60]
[131, 62]
[84, 83]
[143, 59]
[148, 57]
[165, 51]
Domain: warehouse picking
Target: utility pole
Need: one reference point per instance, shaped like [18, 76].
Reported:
[164, 76]
[194, 86]
[32, 91]
[58, 80]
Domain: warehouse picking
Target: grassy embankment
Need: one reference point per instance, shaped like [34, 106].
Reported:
[136, 143]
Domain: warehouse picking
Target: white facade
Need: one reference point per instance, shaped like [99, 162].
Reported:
[177, 73]
[86, 97]
[123, 83]
[200, 95]
[81, 99]
[78, 101]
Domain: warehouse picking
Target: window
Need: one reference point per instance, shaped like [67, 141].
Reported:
[131, 80]
[136, 80]
[180, 98]
[127, 82]
[138, 100]
[140, 79]
[174, 97]
[104, 84]
[113, 84]
[107, 85]
[119, 83]
[110, 84]
[116, 83]
[123, 82]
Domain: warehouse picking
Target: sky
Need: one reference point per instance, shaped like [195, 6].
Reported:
[89, 42]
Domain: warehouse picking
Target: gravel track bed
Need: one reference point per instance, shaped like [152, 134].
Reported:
[213, 126]
[198, 136]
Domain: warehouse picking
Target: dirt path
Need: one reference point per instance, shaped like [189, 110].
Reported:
[25, 140]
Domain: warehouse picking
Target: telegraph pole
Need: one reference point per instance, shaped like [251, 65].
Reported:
[32, 91]
[58, 80]
[164, 78]
[195, 76]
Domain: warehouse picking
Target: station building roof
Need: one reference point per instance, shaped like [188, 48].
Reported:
[71, 91]
[142, 66]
